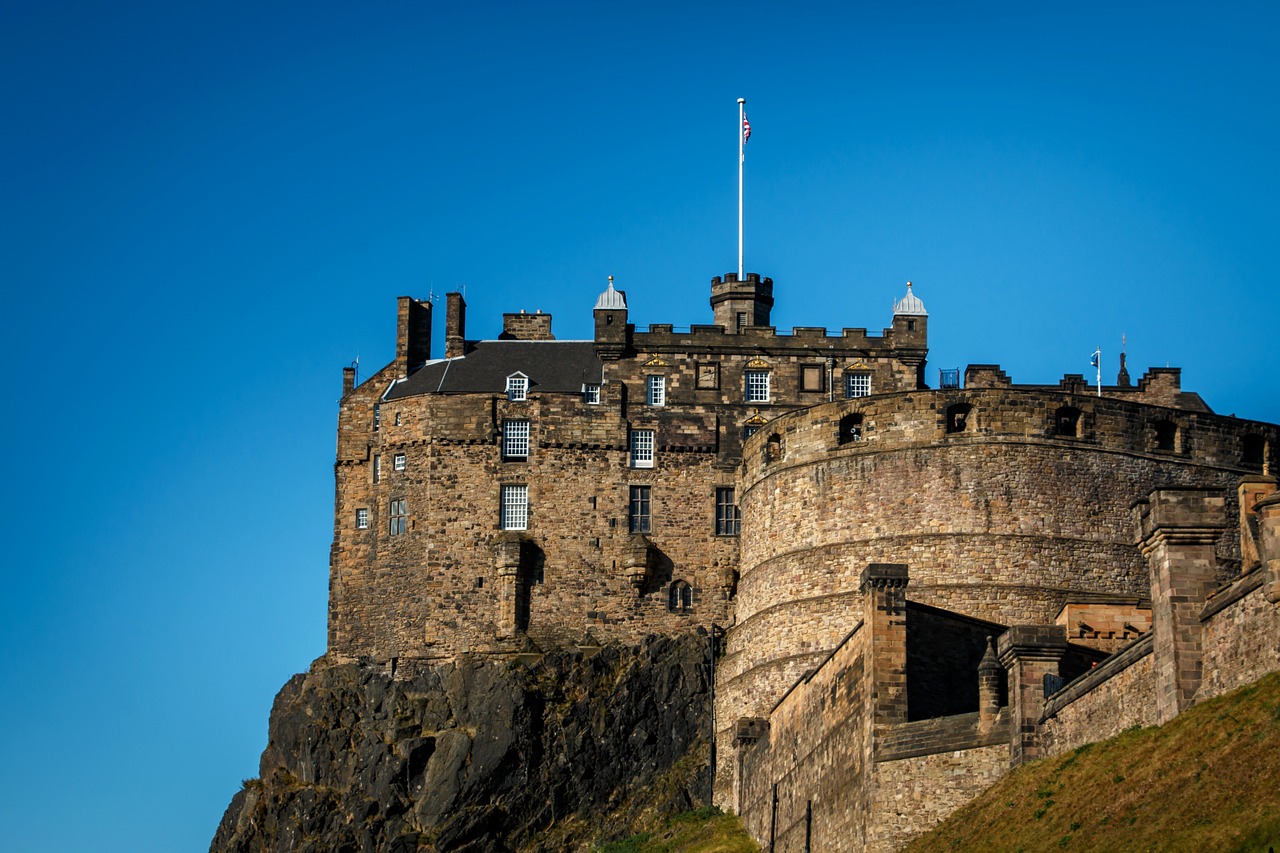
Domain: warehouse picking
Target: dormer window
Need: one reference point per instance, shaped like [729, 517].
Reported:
[517, 387]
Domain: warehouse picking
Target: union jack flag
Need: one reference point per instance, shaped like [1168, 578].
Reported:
[746, 129]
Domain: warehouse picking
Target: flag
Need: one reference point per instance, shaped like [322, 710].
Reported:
[1093, 359]
[746, 129]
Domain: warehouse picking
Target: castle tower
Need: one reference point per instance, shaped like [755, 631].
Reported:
[911, 333]
[741, 303]
[611, 322]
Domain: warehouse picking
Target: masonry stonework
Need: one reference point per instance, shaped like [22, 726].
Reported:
[921, 587]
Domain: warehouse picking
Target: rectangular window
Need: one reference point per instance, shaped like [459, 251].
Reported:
[398, 421]
[642, 448]
[399, 461]
[811, 377]
[362, 519]
[742, 320]
[515, 439]
[377, 416]
[397, 513]
[749, 430]
[638, 510]
[857, 385]
[757, 386]
[377, 467]
[517, 388]
[514, 511]
[657, 390]
[591, 395]
[728, 517]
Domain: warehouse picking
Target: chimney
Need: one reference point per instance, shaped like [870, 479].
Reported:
[526, 327]
[455, 325]
[413, 335]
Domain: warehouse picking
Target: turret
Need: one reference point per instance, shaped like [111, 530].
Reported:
[911, 333]
[741, 303]
[611, 323]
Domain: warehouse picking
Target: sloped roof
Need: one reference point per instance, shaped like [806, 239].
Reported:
[552, 366]
[909, 305]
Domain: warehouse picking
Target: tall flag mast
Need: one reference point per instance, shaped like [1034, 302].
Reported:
[744, 133]
[1096, 361]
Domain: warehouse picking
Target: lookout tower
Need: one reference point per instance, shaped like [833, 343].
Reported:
[738, 304]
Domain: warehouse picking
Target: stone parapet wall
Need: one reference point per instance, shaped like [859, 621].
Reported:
[1117, 694]
[1241, 641]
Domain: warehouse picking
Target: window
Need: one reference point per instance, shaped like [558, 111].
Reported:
[515, 439]
[1166, 435]
[517, 387]
[638, 510]
[591, 395]
[680, 597]
[1254, 451]
[857, 385]
[742, 320]
[642, 448]
[657, 387]
[958, 417]
[850, 428]
[377, 416]
[397, 513]
[398, 421]
[362, 519]
[377, 467]
[749, 430]
[399, 462]
[811, 377]
[728, 517]
[514, 510]
[1067, 421]
[708, 375]
[757, 386]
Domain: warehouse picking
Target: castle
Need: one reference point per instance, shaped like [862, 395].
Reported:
[918, 584]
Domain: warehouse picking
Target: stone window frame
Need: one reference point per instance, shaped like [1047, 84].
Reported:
[400, 461]
[1253, 451]
[850, 428]
[857, 383]
[591, 393]
[513, 506]
[757, 385]
[680, 596]
[655, 390]
[639, 508]
[808, 368]
[707, 375]
[957, 419]
[397, 515]
[377, 467]
[1167, 436]
[362, 518]
[517, 388]
[377, 417]
[728, 515]
[399, 420]
[516, 442]
[1064, 415]
[642, 448]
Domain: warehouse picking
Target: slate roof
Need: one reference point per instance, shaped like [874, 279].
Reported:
[552, 366]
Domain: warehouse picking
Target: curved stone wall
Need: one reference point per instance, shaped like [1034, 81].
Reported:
[1000, 521]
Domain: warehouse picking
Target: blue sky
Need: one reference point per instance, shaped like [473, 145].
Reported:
[209, 211]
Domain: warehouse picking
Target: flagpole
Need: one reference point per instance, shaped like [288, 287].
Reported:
[742, 108]
[1097, 356]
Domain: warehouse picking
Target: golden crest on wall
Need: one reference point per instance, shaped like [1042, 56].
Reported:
[758, 364]
[656, 361]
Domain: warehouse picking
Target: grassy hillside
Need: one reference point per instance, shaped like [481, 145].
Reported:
[1209, 780]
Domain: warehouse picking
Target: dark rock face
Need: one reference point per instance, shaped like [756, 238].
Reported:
[475, 755]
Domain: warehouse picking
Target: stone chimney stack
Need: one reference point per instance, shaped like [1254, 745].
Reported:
[413, 335]
[455, 325]
[526, 327]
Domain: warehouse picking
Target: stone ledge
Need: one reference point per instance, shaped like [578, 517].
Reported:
[1229, 595]
[941, 734]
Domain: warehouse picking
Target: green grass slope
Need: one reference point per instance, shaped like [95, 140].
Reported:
[1208, 780]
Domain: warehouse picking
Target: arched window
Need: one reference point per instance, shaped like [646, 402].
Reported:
[1166, 436]
[850, 428]
[679, 597]
[958, 417]
[1253, 451]
[1066, 422]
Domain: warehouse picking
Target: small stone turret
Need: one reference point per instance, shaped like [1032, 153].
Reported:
[989, 670]
[611, 323]
[738, 304]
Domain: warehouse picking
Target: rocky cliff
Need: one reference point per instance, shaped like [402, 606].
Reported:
[478, 754]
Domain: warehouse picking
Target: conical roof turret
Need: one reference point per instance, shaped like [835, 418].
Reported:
[910, 304]
[612, 300]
